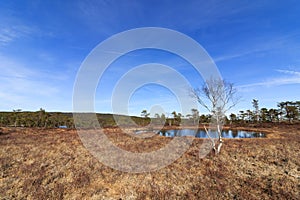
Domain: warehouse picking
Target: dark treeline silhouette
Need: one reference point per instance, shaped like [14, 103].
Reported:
[40, 118]
[287, 111]
[43, 119]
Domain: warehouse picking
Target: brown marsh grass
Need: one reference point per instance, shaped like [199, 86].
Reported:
[53, 164]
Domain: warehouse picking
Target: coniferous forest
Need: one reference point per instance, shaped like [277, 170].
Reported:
[285, 112]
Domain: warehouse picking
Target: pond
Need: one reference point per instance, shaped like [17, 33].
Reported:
[202, 134]
[199, 133]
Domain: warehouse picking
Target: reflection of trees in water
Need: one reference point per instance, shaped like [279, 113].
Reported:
[202, 134]
[176, 133]
[234, 133]
[225, 133]
[163, 132]
[259, 135]
[255, 134]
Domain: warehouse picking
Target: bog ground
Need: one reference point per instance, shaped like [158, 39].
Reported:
[53, 164]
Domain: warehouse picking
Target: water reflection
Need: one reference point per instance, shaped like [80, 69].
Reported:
[202, 134]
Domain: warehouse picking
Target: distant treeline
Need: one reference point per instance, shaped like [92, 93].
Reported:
[43, 119]
[288, 111]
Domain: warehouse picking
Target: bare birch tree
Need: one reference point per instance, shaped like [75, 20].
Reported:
[217, 97]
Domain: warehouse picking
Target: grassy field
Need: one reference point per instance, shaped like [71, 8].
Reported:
[53, 164]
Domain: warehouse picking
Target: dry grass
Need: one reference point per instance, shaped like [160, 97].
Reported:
[53, 164]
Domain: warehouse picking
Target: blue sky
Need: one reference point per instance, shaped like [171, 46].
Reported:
[255, 45]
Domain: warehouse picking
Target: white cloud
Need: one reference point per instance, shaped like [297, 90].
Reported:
[274, 82]
[21, 85]
[261, 44]
[231, 56]
[291, 77]
[12, 33]
[289, 72]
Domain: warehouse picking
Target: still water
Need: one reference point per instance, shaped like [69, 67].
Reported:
[202, 134]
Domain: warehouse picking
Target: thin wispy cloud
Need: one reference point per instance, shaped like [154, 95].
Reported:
[235, 55]
[23, 86]
[293, 78]
[42, 45]
[273, 82]
[10, 34]
[261, 44]
[296, 73]
[17, 74]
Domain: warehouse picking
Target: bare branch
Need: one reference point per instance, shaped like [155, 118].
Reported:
[221, 97]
